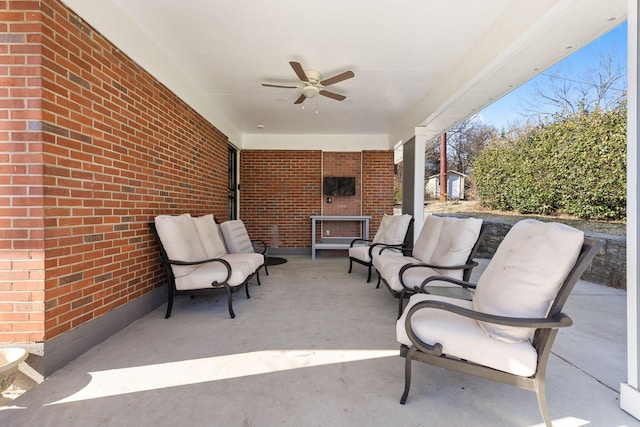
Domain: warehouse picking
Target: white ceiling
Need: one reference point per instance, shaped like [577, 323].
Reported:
[416, 63]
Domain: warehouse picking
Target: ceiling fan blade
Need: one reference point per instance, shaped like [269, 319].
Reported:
[335, 79]
[301, 99]
[335, 96]
[299, 71]
[286, 87]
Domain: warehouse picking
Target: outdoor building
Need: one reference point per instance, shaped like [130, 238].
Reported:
[455, 186]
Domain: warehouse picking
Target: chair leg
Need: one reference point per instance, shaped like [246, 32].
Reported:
[169, 301]
[258, 277]
[266, 270]
[542, 403]
[379, 278]
[350, 265]
[230, 300]
[246, 286]
[407, 374]
[369, 275]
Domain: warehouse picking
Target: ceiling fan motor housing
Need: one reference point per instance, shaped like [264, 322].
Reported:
[312, 88]
[313, 76]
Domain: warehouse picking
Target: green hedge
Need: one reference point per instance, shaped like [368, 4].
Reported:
[576, 165]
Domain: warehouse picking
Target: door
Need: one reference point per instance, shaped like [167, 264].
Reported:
[232, 191]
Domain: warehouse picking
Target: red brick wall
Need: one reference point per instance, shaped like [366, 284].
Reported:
[377, 180]
[279, 190]
[96, 148]
[342, 164]
[22, 245]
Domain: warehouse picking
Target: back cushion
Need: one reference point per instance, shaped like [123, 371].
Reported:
[180, 240]
[525, 274]
[385, 223]
[393, 229]
[395, 233]
[236, 237]
[447, 241]
[209, 236]
[179, 237]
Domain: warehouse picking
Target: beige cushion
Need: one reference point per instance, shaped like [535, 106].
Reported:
[464, 338]
[380, 235]
[362, 252]
[393, 229]
[396, 232]
[255, 260]
[236, 237]
[389, 270]
[446, 240]
[443, 241]
[204, 275]
[210, 236]
[381, 261]
[180, 240]
[525, 274]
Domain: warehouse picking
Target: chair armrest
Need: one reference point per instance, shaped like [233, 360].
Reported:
[384, 247]
[260, 245]
[220, 260]
[462, 283]
[178, 262]
[398, 248]
[560, 320]
[354, 241]
[438, 267]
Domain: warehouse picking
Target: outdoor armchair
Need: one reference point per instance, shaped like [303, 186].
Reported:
[392, 235]
[504, 329]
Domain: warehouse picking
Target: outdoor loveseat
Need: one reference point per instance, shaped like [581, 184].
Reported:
[195, 257]
[445, 246]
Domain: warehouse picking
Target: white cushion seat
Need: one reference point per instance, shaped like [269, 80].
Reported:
[254, 260]
[463, 338]
[361, 252]
[389, 267]
[204, 275]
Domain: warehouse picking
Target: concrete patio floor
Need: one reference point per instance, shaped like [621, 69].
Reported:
[315, 346]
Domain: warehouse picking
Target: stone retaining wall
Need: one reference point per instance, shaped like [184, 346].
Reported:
[609, 267]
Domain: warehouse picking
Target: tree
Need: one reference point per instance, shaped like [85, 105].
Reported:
[464, 142]
[561, 93]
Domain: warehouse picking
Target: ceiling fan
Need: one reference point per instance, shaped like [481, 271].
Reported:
[312, 85]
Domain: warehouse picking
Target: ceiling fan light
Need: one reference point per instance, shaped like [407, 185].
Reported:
[310, 91]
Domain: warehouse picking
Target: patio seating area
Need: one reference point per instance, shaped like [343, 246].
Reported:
[317, 346]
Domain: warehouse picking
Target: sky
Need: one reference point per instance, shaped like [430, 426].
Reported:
[509, 109]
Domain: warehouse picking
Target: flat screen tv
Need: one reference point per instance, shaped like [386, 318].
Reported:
[339, 186]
